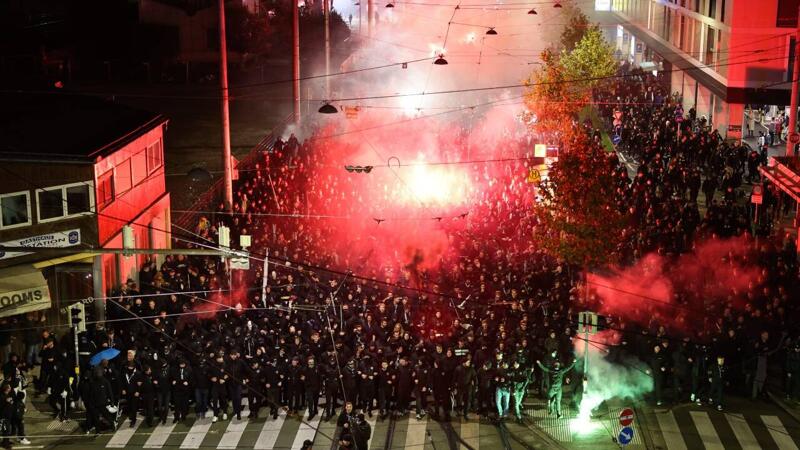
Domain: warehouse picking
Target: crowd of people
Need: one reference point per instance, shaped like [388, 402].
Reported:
[342, 327]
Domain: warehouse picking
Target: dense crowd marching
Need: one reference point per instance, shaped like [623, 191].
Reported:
[491, 318]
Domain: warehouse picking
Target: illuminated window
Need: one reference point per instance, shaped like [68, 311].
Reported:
[154, 156]
[16, 209]
[105, 189]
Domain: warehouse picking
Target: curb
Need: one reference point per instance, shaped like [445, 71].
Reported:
[785, 406]
[644, 424]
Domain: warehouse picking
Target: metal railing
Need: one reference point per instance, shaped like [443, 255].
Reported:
[209, 200]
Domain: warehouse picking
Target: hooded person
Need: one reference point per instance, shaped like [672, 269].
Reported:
[556, 374]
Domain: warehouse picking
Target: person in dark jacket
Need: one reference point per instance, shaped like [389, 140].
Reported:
[18, 417]
[273, 384]
[421, 387]
[6, 413]
[163, 388]
[202, 388]
[312, 381]
[147, 390]
[332, 388]
[441, 390]
[57, 386]
[717, 374]
[556, 374]
[361, 433]
[238, 371]
[131, 385]
[521, 377]
[293, 373]
[465, 378]
[659, 368]
[485, 390]
[346, 417]
[405, 384]
[219, 388]
[181, 380]
[99, 399]
[255, 388]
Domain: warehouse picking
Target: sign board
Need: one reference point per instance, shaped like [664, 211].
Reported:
[794, 138]
[59, 239]
[234, 168]
[22, 290]
[534, 176]
[240, 263]
[757, 195]
[626, 417]
[625, 436]
[587, 322]
[539, 150]
[602, 5]
[351, 112]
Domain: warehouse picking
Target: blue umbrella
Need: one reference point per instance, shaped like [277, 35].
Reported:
[109, 354]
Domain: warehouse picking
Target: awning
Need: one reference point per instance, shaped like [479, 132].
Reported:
[22, 289]
[85, 257]
[780, 173]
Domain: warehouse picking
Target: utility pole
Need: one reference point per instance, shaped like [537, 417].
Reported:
[226, 121]
[327, 7]
[370, 13]
[795, 80]
[296, 60]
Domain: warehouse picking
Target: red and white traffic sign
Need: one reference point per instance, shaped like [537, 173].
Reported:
[626, 417]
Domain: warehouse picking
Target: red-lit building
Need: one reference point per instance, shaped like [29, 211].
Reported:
[720, 55]
[74, 171]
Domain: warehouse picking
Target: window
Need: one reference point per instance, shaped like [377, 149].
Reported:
[123, 180]
[64, 201]
[79, 199]
[51, 203]
[105, 189]
[16, 208]
[154, 158]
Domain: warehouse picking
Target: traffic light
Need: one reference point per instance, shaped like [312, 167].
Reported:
[77, 314]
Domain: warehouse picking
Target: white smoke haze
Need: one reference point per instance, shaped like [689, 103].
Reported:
[418, 30]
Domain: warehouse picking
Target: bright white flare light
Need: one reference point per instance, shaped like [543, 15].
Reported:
[438, 185]
[437, 50]
[470, 38]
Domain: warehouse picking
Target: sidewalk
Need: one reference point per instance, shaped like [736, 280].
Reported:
[40, 426]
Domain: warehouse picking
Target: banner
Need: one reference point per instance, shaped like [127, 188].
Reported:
[59, 239]
[22, 290]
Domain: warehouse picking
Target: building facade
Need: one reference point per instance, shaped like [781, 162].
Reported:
[73, 172]
[722, 55]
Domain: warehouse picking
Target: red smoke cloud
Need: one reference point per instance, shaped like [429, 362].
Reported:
[678, 292]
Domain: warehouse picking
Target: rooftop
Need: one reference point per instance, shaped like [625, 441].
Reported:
[65, 127]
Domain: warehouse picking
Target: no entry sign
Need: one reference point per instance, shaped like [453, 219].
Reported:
[626, 417]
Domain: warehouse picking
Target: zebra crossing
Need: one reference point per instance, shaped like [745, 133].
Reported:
[289, 433]
[683, 429]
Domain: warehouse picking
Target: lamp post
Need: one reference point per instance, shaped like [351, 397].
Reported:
[795, 80]
[295, 60]
[225, 109]
[327, 12]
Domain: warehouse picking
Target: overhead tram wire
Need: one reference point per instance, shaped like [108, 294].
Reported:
[716, 65]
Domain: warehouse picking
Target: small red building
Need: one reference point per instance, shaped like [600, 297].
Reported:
[75, 170]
